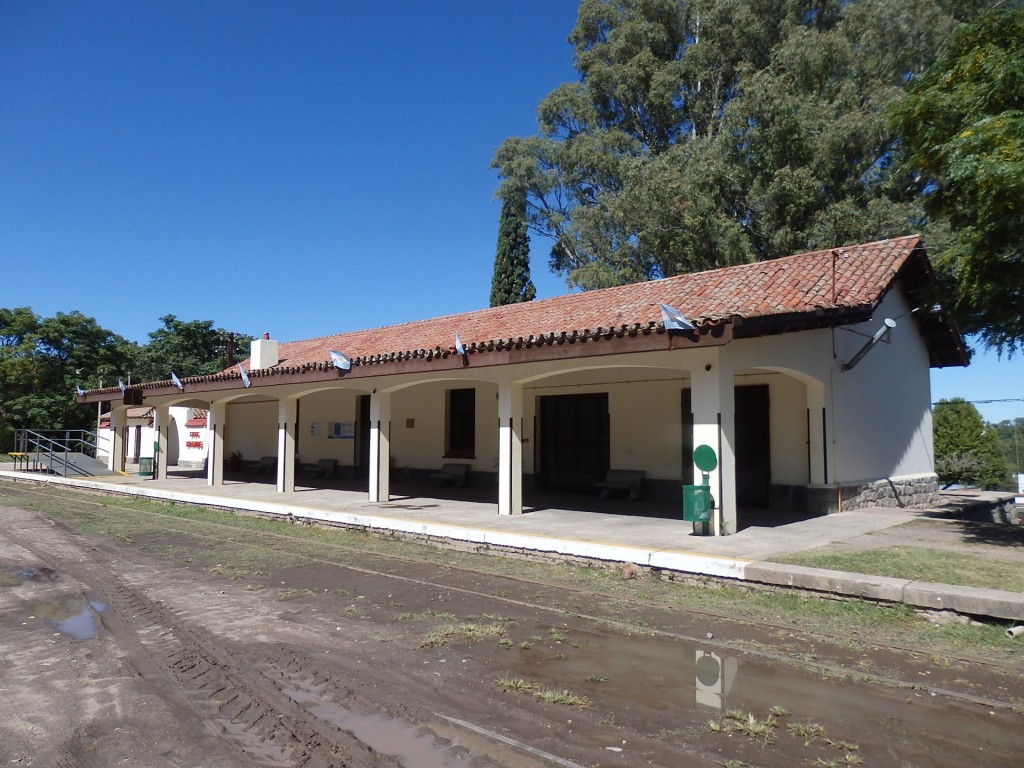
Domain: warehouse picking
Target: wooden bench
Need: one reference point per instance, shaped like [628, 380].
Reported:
[266, 466]
[456, 474]
[324, 468]
[629, 480]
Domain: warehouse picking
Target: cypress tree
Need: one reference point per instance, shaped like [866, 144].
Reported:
[511, 283]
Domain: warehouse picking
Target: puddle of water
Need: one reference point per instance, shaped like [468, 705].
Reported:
[11, 576]
[73, 616]
[404, 742]
[668, 675]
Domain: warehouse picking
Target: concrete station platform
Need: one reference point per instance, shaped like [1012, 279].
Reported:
[617, 532]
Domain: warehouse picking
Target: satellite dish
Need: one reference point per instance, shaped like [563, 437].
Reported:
[705, 459]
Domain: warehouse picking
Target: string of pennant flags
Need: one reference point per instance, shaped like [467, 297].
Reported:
[672, 318]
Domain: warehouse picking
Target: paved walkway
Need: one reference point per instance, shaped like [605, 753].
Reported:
[657, 542]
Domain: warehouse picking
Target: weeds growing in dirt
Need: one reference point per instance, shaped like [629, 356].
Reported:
[516, 685]
[809, 732]
[442, 635]
[565, 698]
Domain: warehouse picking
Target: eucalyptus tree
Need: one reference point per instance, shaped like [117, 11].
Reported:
[703, 133]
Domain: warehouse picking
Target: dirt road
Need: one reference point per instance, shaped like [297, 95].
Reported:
[132, 650]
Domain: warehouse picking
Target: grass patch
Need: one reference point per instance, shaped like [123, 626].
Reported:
[940, 566]
[471, 632]
[565, 698]
[248, 546]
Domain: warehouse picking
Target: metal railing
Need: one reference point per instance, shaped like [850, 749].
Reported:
[54, 450]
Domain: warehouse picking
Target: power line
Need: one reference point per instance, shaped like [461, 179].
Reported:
[986, 402]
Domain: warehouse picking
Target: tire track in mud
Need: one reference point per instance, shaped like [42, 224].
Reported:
[198, 675]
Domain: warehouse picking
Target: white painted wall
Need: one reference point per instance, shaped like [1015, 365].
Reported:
[251, 429]
[316, 412]
[882, 425]
[418, 423]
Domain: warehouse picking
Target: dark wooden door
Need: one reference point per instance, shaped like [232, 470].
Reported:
[362, 457]
[574, 439]
[753, 446]
[686, 405]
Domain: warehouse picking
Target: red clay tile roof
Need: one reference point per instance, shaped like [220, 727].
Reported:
[810, 290]
[852, 277]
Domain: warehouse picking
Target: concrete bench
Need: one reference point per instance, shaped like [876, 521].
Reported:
[456, 474]
[628, 480]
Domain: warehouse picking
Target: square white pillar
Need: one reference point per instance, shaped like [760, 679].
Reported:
[161, 425]
[380, 447]
[714, 416]
[510, 449]
[118, 420]
[287, 413]
[215, 422]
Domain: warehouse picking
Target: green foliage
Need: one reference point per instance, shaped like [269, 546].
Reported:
[1011, 440]
[962, 125]
[967, 450]
[715, 132]
[511, 283]
[193, 348]
[41, 362]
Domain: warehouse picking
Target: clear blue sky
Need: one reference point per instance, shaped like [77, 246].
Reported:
[301, 168]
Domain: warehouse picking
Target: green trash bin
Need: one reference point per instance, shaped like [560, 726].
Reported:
[146, 466]
[697, 506]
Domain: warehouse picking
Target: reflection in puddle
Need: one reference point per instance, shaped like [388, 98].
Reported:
[714, 677]
[72, 616]
[406, 743]
[663, 674]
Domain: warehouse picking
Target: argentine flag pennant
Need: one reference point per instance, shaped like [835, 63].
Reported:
[674, 320]
[340, 361]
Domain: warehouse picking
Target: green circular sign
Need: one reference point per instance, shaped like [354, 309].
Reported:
[705, 459]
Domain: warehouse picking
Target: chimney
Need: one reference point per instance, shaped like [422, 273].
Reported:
[264, 353]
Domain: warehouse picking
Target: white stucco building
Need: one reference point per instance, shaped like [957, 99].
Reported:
[808, 376]
[187, 437]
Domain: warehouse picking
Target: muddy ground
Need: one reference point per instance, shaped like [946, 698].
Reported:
[132, 651]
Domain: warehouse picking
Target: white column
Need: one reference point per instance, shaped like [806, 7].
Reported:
[118, 419]
[510, 449]
[714, 417]
[287, 412]
[380, 447]
[215, 422]
[161, 423]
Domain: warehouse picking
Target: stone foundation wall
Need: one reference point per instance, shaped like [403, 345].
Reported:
[909, 492]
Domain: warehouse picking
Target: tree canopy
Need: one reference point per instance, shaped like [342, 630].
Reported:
[188, 348]
[967, 450]
[42, 360]
[704, 133]
[510, 282]
[962, 124]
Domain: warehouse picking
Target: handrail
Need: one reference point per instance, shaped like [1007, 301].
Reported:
[56, 449]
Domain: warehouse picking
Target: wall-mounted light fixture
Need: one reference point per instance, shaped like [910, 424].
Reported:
[882, 333]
